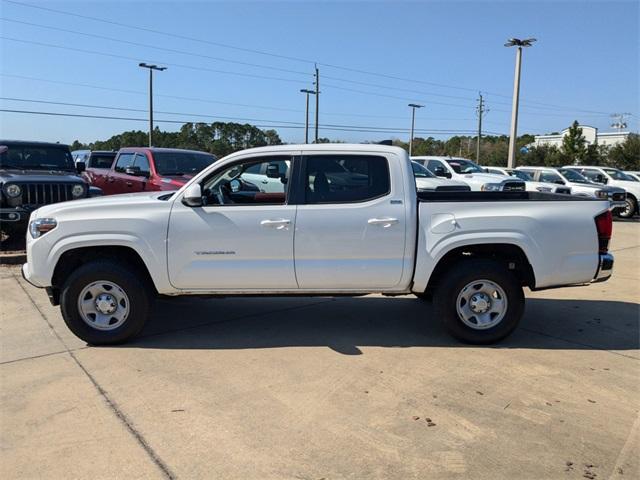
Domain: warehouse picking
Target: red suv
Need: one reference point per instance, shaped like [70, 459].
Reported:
[138, 169]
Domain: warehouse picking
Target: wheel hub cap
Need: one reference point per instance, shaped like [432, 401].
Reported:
[106, 303]
[480, 303]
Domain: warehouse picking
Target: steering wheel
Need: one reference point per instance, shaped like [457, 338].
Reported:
[223, 194]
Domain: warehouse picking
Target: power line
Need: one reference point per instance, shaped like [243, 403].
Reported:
[301, 126]
[138, 59]
[286, 57]
[146, 45]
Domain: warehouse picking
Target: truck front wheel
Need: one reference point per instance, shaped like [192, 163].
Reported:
[105, 302]
[480, 301]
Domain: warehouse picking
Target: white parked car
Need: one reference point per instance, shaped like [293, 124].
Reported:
[428, 182]
[466, 171]
[527, 178]
[614, 177]
[580, 185]
[105, 260]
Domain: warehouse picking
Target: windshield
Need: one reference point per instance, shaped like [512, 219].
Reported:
[36, 158]
[572, 175]
[460, 165]
[180, 163]
[527, 177]
[421, 172]
[618, 175]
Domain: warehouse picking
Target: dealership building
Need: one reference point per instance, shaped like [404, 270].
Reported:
[590, 134]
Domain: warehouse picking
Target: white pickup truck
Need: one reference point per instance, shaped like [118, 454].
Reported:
[471, 253]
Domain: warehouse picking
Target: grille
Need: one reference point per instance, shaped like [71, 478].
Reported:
[619, 196]
[45, 193]
[565, 191]
[513, 187]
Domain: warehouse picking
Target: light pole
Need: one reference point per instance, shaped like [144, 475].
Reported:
[516, 42]
[413, 123]
[306, 117]
[151, 69]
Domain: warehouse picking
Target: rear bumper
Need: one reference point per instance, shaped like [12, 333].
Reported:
[605, 268]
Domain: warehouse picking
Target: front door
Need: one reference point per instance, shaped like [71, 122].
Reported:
[350, 229]
[241, 239]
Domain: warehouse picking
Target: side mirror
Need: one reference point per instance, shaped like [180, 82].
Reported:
[273, 171]
[132, 171]
[81, 167]
[599, 178]
[559, 182]
[439, 172]
[193, 196]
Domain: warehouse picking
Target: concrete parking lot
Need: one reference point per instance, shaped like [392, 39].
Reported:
[327, 388]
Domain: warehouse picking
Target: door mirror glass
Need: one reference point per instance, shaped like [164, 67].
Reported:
[193, 196]
[81, 167]
[273, 171]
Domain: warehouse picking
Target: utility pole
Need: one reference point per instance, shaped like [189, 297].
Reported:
[620, 123]
[480, 110]
[151, 68]
[413, 123]
[516, 42]
[317, 82]
[306, 116]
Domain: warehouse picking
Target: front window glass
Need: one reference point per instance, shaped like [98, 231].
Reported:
[461, 165]
[141, 162]
[243, 183]
[572, 175]
[617, 174]
[37, 158]
[124, 160]
[180, 163]
[421, 172]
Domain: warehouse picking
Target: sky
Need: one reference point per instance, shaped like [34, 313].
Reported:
[247, 61]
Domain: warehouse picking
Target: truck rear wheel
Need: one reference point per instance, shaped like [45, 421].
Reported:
[629, 210]
[479, 301]
[105, 302]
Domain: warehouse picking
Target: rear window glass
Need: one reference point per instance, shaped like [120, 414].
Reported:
[180, 163]
[346, 178]
[101, 160]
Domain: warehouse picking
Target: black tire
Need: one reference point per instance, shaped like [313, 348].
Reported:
[129, 280]
[630, 210]
[461, 275]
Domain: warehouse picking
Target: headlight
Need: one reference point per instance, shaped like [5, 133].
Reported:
[543, 189]
[41, 226]
[491, 187]
[77, 191]
[601, 194]
[13, 190]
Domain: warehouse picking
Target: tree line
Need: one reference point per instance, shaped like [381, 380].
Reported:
[222, 138]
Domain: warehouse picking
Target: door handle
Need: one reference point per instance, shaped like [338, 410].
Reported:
[111, 179]
[265, 181]
[129, 184]
[385, 222]
[278, 224]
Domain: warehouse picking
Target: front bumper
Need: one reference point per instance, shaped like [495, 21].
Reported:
[605, 268]
[617, 204]
[14, 215]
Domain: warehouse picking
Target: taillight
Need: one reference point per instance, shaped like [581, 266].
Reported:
[604, 226]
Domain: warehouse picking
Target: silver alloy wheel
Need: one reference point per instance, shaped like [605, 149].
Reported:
[103, 305]
[629, 208]
[481, 304]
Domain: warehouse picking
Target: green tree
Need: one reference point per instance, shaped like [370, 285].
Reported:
[574, 144]
[626, 156]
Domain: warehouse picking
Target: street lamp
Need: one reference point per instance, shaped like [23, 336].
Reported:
[413, 122]
[516, 42]
[151, 69]
[306, 118]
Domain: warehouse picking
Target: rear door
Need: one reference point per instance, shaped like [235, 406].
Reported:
[350, 227]
[115, 183]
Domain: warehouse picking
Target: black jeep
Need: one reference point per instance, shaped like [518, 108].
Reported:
[33, 174]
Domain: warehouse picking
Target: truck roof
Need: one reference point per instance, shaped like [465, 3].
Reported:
[159, 149]
[25, 143]
[326, 147]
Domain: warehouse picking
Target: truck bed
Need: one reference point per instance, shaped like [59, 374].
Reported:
[452, 196]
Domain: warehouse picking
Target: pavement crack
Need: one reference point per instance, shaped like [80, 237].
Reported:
[113, 406]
